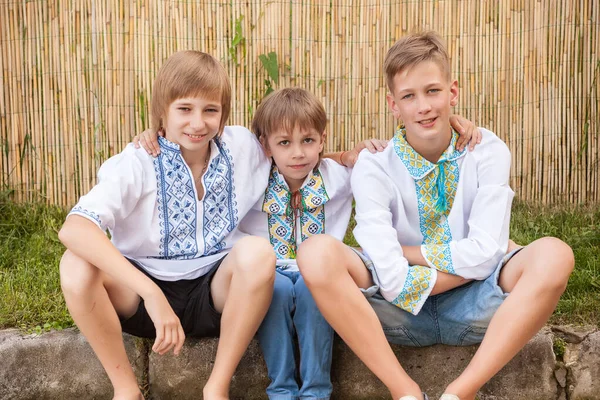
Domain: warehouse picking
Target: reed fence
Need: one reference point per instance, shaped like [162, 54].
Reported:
[76, 78]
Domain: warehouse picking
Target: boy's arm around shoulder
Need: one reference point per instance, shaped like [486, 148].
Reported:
[374, 194]
[477, 255]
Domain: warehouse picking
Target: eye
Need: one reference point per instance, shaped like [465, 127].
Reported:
[433, 90]
[212, 110]
[406, 96]
[308, 140]
[284, 143]
[184, 109]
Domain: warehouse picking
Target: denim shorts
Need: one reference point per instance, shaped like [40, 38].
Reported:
[458, 317]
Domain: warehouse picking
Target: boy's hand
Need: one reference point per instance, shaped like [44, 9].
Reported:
[149, 141]
[349, 158]
[467, 130]
[169, 332]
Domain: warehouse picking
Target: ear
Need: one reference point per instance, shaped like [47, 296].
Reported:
[454, 93]
[265, 146]
[393, 106]
[323, 140]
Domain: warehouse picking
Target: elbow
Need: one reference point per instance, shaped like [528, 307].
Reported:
[64, 234]
[67, 232]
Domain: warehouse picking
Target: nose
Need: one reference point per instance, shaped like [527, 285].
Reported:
[423, 105]
[196, 121]
[297, 151]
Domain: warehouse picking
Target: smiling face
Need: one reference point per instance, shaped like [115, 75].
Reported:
[422, 97]
[192, 122]
[295, 153]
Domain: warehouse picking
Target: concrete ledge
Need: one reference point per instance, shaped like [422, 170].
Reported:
[61, 365]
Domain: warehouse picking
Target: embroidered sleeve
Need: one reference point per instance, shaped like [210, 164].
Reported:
[119, 187]
[417, 286]
[439, 256]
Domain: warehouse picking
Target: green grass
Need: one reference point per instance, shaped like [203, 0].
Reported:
[30, 293]
[30, 296]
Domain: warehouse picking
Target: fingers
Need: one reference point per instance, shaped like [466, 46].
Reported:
[149, 141]
[180, 341]
[475, 140]
[380, 145]
[136, 141]
[160, 337]
[370, 145]
[169, 336]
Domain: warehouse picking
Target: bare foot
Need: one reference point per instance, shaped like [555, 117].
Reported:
[129, 396]
[210, 393]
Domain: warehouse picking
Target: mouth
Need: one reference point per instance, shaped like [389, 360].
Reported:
[196, 137]
[298, 166]
[427, 122]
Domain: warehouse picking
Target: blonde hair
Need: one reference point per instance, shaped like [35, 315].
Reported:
[189, 74]
[415, 49]
[286, 109]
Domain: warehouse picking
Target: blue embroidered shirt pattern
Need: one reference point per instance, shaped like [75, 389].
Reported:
[220, 206]
[176, 200]
[435, 183]
[281, 218]
[177, 203]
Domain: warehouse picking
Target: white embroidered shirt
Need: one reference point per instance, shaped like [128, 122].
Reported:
[150, 205]
[457, 210]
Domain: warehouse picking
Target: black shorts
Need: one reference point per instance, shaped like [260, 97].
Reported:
[190, 300]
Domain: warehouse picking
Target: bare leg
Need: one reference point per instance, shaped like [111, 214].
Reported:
[535, 278]
[94, 300]
[334, 273]
[241, 290]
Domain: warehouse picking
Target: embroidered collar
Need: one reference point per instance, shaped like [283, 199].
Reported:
[278, 197]
[166, 144]
[416, 164]
[215, 147]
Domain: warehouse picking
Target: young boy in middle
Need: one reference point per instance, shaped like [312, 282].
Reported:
[306, 195]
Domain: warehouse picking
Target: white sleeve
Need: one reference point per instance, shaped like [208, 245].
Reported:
[477, 255]
[401, 284]
[119, 187]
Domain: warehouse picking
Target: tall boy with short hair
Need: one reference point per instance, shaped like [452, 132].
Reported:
[433, 223]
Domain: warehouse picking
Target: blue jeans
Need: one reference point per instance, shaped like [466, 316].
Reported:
[458, 317]
[293, 310]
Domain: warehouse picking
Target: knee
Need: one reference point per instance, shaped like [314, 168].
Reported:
[556, 262]
[77, 276]
[255, 258]
[316, 259]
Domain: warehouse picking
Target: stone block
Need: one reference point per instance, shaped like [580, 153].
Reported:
[57, 365]
[529, 376]
[584, 365]
[184, 376]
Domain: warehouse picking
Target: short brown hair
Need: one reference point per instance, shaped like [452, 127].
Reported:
[415, 49]
[189, 74]
[286, 109]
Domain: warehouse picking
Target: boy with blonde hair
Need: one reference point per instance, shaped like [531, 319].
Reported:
[174, 266]
[306, 195]
[433, 224]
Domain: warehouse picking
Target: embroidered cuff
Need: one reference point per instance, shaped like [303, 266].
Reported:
[438, 256]
[87, 214]
[417, 287]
